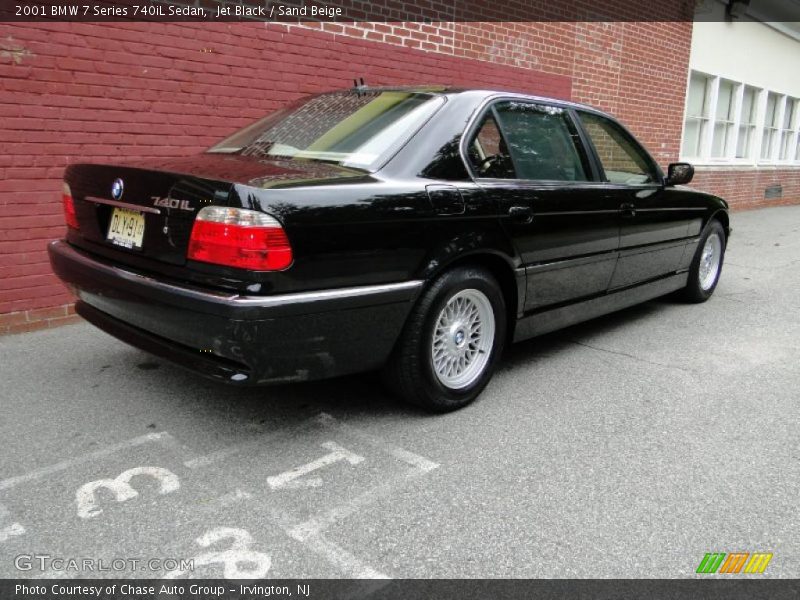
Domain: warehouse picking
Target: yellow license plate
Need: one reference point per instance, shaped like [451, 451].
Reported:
[126, 228]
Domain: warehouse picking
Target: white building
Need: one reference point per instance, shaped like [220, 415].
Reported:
[743, 89]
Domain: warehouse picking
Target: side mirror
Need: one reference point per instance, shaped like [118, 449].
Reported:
[679, 173]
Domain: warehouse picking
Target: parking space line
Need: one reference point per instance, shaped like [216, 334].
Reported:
[415, 460]
[8, 531]
[315, 525]
[13, 530]
[420, 466]
[11, 482]
[206, 460]
[325, 420]
[290, 478]
[234, 497]
[351, 566]
[212, 457]
[309, 533]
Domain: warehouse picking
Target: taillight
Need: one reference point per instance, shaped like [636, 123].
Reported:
[241, 238]
[69, 208]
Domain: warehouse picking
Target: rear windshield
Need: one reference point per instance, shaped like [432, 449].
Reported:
[352, 129]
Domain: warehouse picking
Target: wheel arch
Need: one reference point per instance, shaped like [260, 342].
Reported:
[501, 266]
[723, 217]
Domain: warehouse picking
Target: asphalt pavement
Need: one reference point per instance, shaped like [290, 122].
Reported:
[629, 446]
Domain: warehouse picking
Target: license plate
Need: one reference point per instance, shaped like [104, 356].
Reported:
[126, 228]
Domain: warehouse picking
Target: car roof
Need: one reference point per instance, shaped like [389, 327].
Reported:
[480, 92]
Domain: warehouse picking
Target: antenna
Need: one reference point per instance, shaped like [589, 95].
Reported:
[359, 87]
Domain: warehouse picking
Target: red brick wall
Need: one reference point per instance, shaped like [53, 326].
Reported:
[86, 91]
[743, 188]
[634, 70]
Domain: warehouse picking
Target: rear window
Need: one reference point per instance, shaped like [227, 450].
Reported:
[352, 129]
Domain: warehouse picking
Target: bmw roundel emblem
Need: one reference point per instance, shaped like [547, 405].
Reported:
[117, 188]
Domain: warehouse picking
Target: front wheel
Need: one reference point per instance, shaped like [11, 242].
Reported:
[707, 264]
[452, 340]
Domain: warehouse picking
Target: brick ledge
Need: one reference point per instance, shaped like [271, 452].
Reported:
[24, 321]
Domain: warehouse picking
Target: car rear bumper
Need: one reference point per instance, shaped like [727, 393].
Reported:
[235, 338]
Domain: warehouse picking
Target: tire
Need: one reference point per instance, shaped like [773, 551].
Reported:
[451, 374]
[706, 266]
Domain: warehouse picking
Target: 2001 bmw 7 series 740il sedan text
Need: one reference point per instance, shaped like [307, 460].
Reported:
[413, 230]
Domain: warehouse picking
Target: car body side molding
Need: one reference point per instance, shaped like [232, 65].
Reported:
[557, 318]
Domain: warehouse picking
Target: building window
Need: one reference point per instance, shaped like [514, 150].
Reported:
[770, 126]
[697, 114]
[731, 122]
[747, 122]
[797, 150]
[723, 119]
[787, 129]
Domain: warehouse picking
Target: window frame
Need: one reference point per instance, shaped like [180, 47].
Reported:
[705, 123]
[659, 179]
[774, 127]
[730, 127]
[791, 103]
[491, 110]
[488, 106]
[380, 161]
[752, 127]
[758, 129]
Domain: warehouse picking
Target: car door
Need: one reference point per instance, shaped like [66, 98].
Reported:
[532, 161]
[655, 223]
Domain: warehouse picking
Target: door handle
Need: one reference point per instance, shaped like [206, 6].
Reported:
[628, 209]
[521, 214]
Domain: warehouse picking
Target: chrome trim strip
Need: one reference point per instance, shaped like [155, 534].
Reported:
[117, 203]
[602, 256]
[561, 213]
[236, 299]
[335, 294]
[680, 208]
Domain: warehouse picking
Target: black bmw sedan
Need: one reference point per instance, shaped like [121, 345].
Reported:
[417, 231]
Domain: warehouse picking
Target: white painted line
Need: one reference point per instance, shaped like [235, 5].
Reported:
[315, 525]
[11, 482]
[13, 530]
[242, 447]
[337, 453]
[300, 484]
[8, 531]
[420, 466]
[211, 458]
[415, 460]
[350, 566]
[233, 497]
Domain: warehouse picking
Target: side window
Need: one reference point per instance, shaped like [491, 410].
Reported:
[622, 158]
[544, 143]
[488, 152]
[528, 141]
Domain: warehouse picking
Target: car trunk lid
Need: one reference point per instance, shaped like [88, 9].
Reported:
[139, 211]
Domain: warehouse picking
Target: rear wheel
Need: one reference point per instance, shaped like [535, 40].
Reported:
[707, 264]
[451, 342]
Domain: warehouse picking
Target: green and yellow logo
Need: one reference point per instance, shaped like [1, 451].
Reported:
[735, 562]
